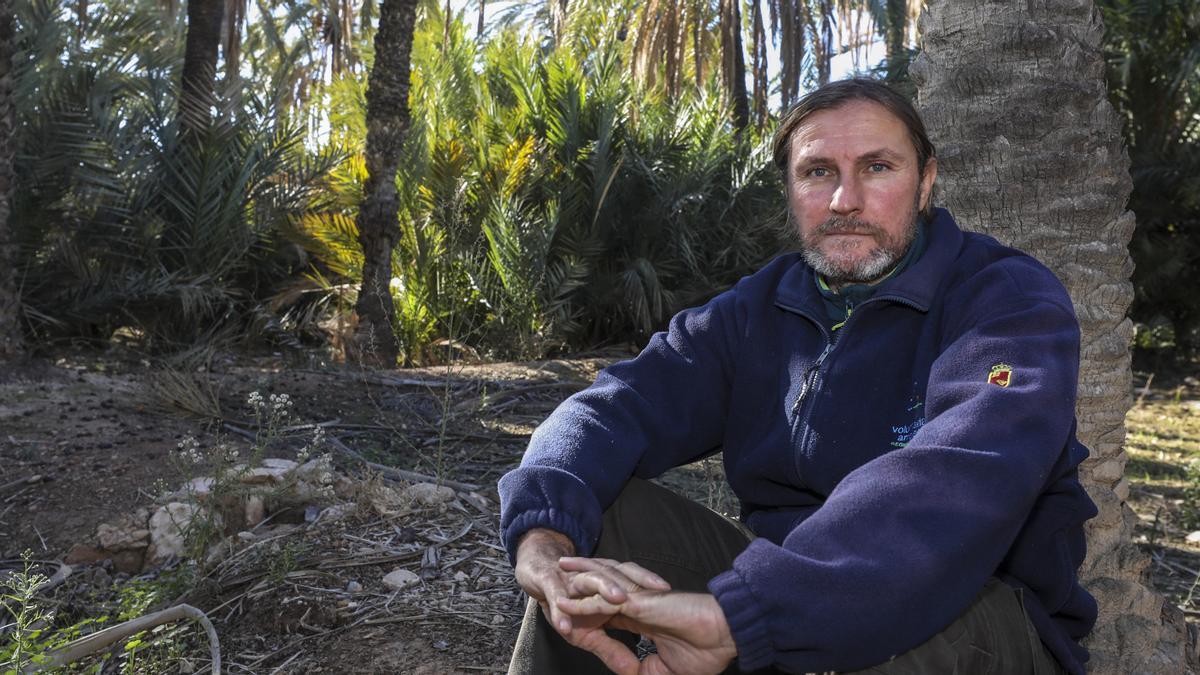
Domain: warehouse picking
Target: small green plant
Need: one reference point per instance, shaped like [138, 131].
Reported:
[1190, 509]
[284, 560]
[26, 618]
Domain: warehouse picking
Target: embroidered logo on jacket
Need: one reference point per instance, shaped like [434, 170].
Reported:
[1001, 375]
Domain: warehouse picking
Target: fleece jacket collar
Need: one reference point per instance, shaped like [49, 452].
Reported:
[917, 287]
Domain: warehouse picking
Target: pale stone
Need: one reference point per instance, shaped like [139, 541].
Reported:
[169, 527]
[399, 579]
[279, 463]
[316, 470]
[429, 493]
[120, 537]
[199, 487]
[255, 510]
[1194, 537]
[385, 500]
[335, 513]
[261, 475]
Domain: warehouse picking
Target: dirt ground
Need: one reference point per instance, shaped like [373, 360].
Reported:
[87, 437]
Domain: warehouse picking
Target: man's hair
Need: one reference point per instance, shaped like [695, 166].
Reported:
[839, 93]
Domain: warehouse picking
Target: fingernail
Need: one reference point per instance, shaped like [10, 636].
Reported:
[563, 625]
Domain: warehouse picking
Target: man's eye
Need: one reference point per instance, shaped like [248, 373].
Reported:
[877, 167]
[818, 172]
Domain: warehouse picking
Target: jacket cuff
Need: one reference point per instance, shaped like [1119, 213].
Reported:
[532, 497]
[747, 619]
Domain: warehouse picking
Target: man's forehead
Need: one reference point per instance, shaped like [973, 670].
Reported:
[861, 128]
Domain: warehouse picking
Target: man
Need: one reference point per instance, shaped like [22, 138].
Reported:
[895, 404]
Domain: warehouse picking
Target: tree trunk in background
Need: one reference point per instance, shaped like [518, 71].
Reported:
[11, 343]
[733, 62]
[1030, 152]
[378, 229]
[897, 52]
[197, 92]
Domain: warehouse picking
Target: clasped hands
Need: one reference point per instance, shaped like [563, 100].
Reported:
[583, 596]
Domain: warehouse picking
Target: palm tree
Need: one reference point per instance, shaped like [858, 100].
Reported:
[197, 93]
[378, 229]
[10, 327]
[733, 62]
[1032, 154]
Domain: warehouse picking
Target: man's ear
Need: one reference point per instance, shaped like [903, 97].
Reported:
[927, 179]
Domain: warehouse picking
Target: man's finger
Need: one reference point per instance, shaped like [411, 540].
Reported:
[592, 605]
[553, 588]
[615, 655]
[630, 575]
[614, 590]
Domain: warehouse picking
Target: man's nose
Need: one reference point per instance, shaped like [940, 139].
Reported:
[847, 198]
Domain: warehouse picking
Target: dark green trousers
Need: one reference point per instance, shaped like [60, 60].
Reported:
[687, 545]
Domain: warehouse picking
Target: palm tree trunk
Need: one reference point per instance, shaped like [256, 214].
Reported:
[11, 343]
[378, 229]
[198, 87]
[697, 43]
[733, 62]
[1031, 153]
[897, 27]
[758, 61]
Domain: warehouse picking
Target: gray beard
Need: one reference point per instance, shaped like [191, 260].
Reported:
[888, 252]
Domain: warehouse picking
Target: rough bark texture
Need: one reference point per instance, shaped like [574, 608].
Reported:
[733, 62]
[1030, 152]
[198, 83]
[11, 343]
[897, 52]
[378, 229]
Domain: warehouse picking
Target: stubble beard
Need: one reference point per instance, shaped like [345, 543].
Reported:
[843, 267]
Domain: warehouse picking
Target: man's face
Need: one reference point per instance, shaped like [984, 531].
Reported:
[854, 190]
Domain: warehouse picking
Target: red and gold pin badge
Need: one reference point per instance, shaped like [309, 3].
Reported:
[1001, 375]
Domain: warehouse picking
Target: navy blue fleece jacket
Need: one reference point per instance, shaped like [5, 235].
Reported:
[887, 474]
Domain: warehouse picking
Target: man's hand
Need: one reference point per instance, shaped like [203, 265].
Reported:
[689, 630]
[539, 573]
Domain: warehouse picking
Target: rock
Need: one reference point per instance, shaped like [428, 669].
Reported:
[461, 576]
[279, 463]
[129, 562]
[262, 475]
[198, 488]
[344, 488]
[169, 527]
[317, 470]
[335, 513]
[125, 532]
[399, 579]
[354, 587]
[82, 554]
[256, 510]
[429, 494]
[478, 501]
[117, 538]
[1194, 537]
[384, 499]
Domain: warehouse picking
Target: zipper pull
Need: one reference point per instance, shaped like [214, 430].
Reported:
[810, 378]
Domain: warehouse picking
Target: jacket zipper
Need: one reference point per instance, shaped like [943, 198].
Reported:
[810, 375]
